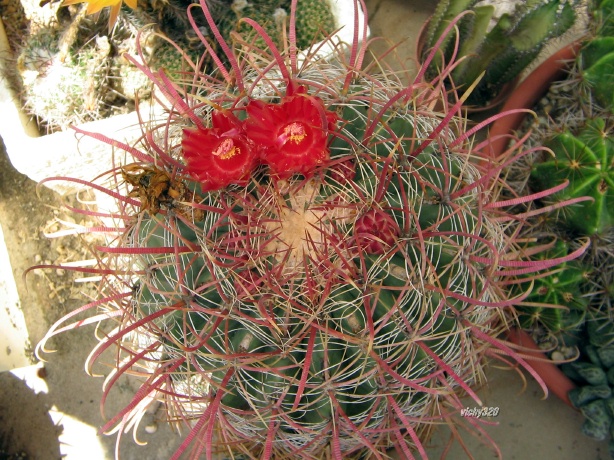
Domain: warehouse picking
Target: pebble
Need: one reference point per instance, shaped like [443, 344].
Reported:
[151, 428]
[569, 352]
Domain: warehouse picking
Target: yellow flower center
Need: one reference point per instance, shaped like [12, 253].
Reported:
[226, 149]
[294, 132]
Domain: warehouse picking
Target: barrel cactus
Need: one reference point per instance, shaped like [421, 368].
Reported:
[307, 262]
[584, 159]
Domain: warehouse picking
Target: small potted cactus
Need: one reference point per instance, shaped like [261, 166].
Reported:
[493, 55]
[304, 261]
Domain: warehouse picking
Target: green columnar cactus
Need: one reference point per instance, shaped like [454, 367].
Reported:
[307, 262]
[502, 52]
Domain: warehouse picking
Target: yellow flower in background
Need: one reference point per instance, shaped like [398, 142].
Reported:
[95, 6]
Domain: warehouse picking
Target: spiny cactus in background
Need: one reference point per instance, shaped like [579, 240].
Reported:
[596, 59]
[557, 301]
[306, 261]
[503, 51]
[578, 129]
[603, 14]
[62, 90]
[314, 20]
[168, 17]
[72, 71]
[585, 160]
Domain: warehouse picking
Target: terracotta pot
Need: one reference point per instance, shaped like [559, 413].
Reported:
[526, 95]
[556, 381]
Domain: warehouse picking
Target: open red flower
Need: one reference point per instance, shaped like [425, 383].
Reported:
[221, 155]
[292, 136]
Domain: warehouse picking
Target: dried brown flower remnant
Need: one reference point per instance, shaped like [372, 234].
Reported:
[157, 189]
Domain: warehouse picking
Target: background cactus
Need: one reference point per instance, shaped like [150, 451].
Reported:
[501, 52]
[594, 375]
[557, 301]
[307, 263]
[578, 133]
[578, 129]
[314, 20]
[73, 70]
[585, 160]
[597, 58]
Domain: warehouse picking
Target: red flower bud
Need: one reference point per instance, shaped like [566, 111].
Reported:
[375, 231]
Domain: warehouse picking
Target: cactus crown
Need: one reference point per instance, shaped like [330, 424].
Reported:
[307, 260]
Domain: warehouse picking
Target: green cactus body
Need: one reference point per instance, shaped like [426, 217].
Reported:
[527, 38]
[472, 36]
[578, 133]
[445, 12]
[270, 14]
[603, 14]
[60, 90]
[314, 20]
[562, 289]
[585, 160]
[597, 64]
[358, 325]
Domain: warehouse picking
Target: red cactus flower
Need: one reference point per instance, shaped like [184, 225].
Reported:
[293, 135]
[375, 231]
[221, 155]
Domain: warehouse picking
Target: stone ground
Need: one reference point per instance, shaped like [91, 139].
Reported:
[45, 425]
